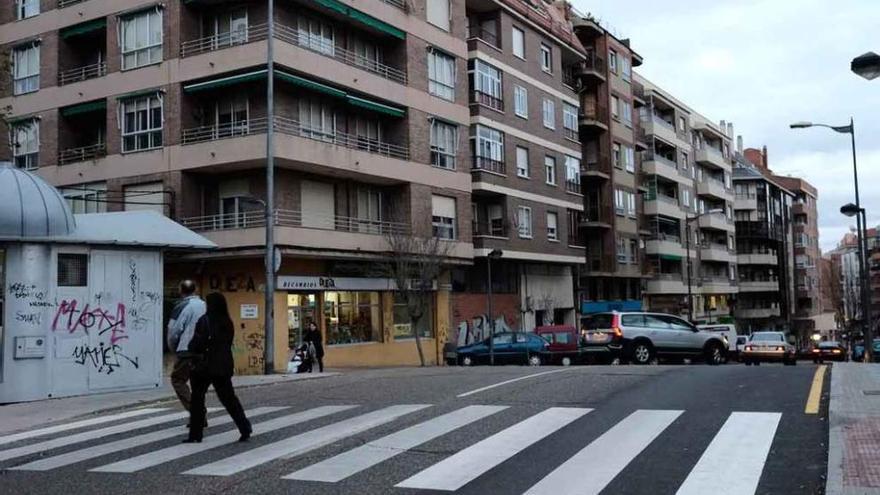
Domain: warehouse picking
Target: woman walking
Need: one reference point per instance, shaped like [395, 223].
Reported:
[212, 343]
[313, 335]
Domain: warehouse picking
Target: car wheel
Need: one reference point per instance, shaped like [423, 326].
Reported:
[566, 361]
[714, 355]
[747, 363]
[534, 360]
[757, 363]
[642, 352]
[467, 361]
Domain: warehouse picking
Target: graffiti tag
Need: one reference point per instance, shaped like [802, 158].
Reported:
[69, 317]
[105, 359]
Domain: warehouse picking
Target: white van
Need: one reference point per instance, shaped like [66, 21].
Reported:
[726, 329]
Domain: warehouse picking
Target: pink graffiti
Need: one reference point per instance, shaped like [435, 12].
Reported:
[69, 317]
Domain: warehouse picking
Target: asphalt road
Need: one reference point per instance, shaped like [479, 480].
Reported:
[596, 429]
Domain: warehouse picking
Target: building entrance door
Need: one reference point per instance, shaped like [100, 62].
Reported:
[302, 309]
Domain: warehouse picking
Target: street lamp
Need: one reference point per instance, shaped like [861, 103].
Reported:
[862, 228]
[493, 255]
[866, 65]
[687, 243]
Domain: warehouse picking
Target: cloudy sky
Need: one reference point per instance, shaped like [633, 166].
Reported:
[763, 64]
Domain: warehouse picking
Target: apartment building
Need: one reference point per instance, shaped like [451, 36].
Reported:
[688, 212]
[845, 284]
[762, 210]
[136, 104]
[524, 71]
[612, 141]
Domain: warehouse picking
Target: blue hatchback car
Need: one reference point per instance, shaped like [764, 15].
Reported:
[859, 351]
[509, 348]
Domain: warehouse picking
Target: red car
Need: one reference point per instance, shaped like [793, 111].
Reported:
[563, 340]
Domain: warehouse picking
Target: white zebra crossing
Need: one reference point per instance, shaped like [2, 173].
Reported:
[77, 424]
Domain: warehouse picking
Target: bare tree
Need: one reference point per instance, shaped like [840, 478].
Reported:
[414, 265]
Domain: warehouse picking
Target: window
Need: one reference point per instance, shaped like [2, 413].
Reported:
[546, 58]
[549, 107]
[550, 170]
[631, 204]
[444, 144]
[522, 162]
[573, 171]
[25, 137]
[441, 75]
[443, 217]
[26, 68]
[727, 180]
[490, 149]
[684, 161]
[616, 157]
[732, 271]
[686, 198]
[570, 120]
[140, 39]
[625, 69]
[26, 8]
[627, 113]
[620, 201]
[729, 212]
[521, 101]
[629, 159]
[86, 198]
[682, 124]
[317, 120]
[142, 120]
[524, 222]
[621, 250]
[633, 251]
[73, 270]
[352, 317]
[150, 196]
[438, 13]
[403, 323]
[730, 242]
[487, 85]
[316, 35]
[612, 61]
[552, 230]
[518, 37]
[615, 107]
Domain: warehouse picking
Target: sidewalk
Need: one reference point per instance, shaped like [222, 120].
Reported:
[27, 415]
[854, 430]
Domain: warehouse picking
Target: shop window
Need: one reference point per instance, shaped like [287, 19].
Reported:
[352, 317]
[73, 270]
[302, 309]
[402, 321]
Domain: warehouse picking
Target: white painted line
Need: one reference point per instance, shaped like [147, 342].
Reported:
[86, 436]
[592, 468]
[454, 472]
[182, 450]
[739, 450]
[305, 442]
[505, 382]
[366, 456]
[78, 424]
[127, 443]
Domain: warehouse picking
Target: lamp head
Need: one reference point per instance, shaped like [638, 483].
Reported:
[801, 125]
[849, 210]
[866, 65]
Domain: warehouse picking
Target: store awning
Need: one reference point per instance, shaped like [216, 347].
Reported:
[670, 257]
[83, 28]
[225, 81]
[310, 84]
[91, 106]
[361, 17]
[375, 107]
[140, 92]
[334, 5]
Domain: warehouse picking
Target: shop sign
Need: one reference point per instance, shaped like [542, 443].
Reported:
[334, 283]
[250, 312]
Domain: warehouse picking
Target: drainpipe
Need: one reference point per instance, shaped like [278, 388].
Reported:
[269, 314]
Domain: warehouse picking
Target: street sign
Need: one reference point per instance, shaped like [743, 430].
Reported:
[250, 312]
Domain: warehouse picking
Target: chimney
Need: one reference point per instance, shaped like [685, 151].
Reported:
[739, 144]
[764, 157]
[730, 130]
[723, 126]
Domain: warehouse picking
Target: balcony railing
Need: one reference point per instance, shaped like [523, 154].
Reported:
[638, 90]
[256, 32]
[477, 32]
[600, 163]
[665, 199]
[663, 236]
[596, 213]
[223, 131]
[227, 221]
[489, 164]
[573, 186]
[595, 112]
[294, 127]
[592, 64]
[81, 154]
[67, 3]
[487, 100]
[651, 156]
[83, 73]
[659, 120]
[294, 218]
[490, 229]
[571, 134]
[330, 49]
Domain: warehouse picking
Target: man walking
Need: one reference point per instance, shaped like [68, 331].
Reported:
[181, 326]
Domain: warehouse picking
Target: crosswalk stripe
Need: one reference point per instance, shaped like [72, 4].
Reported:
[78, 424]
[305, 442]
[592, 468]
[179, 451]
[90, 435]
[454, 472]
[127, 443]
[354, 461]
[743, 444]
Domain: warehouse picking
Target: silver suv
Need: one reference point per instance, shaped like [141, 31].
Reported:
[648, 336]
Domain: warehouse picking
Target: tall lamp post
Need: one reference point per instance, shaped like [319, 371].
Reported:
[687, 243]
[862, 228]
[493, 255]
[851, 210]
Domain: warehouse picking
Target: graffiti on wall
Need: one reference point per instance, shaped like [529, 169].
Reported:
[104, 359]
[477, 329]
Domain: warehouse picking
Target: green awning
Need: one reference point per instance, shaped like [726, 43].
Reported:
[376, 24]
[91, 106]
[670, 257]
[225, 81]
[376, 107]
[83, 28]
[334, 5]
[309, 84]
[140, 92]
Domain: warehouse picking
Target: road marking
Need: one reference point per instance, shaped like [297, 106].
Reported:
[735, 457]
[454, 472]
[489, 387]
[77, 424]
[591, 469]
[127, 443]
[305, 442]
[815, 396]
[366, 456]
[179, 451]
[86, 436]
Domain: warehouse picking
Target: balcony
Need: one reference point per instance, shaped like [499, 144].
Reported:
[655, 164]
[641, 138]
[598, 263]
[596, 168]
[758, 285]
[665, 245]
[224, 131]
[656, 126]
[83, 73]
[82, 154]
[596, 216]
[717, 285]
[495, 229]
[294, 218]
[716, 252]
[716, 221]
[479, 33]
[484, 164]
[712, 188]
[487, 100]
[594, 118]
[591, 71]
[251, 34]
[711, 157]
[573, 186]
[571, 134]
[664, 205]
[757, 259]
[757, 313]
[745, 201]
[667, 283]
[638, 92]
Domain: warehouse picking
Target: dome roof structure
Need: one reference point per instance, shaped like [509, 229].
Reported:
[30, 207]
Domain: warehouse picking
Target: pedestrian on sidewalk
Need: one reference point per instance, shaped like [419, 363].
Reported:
[184, 316]
[212, 346]
[313, 336]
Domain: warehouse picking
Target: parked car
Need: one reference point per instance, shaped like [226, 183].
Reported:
[741, 341]
[859, 351]
[601, 338]
[728, 330]
[831, 351]
[644, 337]
[563, 340]
[509, 348]
[769, 347]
